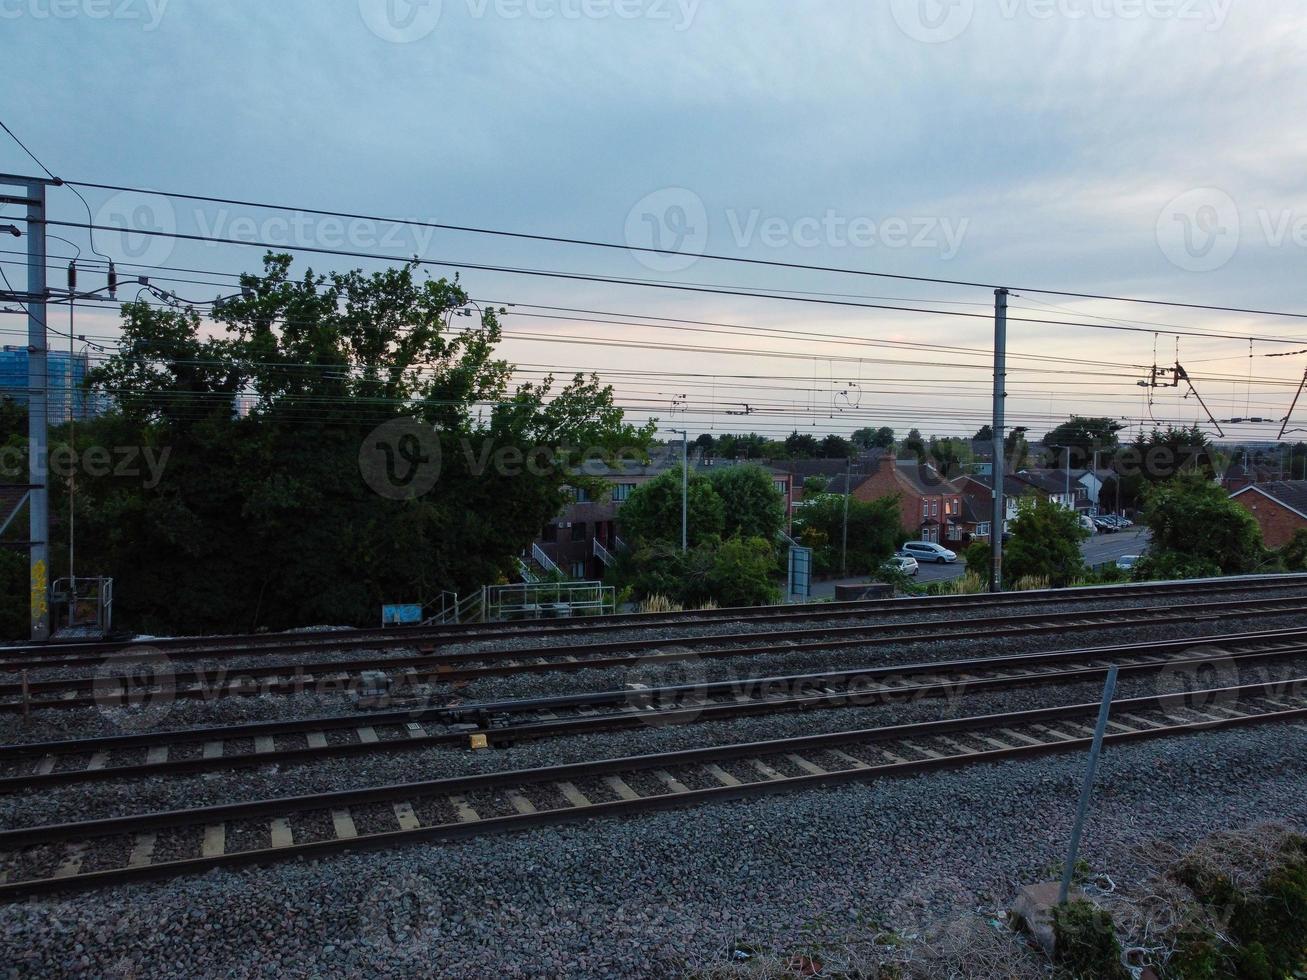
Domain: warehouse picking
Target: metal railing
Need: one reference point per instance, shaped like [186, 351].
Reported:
[603, 554]
[547, 600]
[544, 561]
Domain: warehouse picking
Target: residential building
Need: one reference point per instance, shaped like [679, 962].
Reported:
[1280, 507]
[978, 503]
[931, 507]
[1059, 486]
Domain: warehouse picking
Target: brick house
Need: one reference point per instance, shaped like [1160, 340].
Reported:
[978, 503]
[931, 507]
[1280, 507]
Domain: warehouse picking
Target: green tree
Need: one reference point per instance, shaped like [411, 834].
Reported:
[741, 573]
[882, 438]
[978, 557]
[13, 420]
[653, 511]
[262, 514]
[752, 506]
[1016, 450]
[815, 484]
[801, 445]
[1294, 554]
[836, 447]
[950, 455]
[1045, 543]
[913, 447]
[1197, 530]
[1084, 436]
[875, 531]
[984, 434]
[1164, 454]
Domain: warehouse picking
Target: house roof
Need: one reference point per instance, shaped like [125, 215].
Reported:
[922, 478]
[1288, 493]
[1046, 480]
[1012, 487]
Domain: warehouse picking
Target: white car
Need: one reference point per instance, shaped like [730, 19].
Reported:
[929, 551]
[1128, 562]
[905, 564]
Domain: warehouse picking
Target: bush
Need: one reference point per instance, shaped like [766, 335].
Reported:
[1045, 545]
[978, 557]
[1086, 945]
[1199, 531]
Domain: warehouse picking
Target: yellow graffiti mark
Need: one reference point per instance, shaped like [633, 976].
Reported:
[40, 605]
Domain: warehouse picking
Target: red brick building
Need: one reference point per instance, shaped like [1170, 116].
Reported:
[930, 505]
[1279, 506]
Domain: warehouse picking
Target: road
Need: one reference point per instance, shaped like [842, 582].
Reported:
[1098, 549]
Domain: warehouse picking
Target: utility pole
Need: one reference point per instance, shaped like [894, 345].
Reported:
[1000, 465]
[38, 505]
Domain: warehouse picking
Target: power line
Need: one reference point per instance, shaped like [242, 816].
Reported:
[616, 280]
[770, 263]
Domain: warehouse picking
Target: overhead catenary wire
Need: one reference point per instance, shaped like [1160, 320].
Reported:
[628, 247]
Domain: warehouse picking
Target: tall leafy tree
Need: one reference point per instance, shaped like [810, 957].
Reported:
[653, 511]
[276, 428]
[752, 506]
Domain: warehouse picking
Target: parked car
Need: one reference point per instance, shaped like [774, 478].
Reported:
[929, 551]
[905, 564]
[1105, 525]
[1127, 562]
[1088, 523]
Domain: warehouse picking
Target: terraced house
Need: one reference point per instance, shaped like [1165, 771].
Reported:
[930, 505]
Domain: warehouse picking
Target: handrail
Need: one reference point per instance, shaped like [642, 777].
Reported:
[547, 563]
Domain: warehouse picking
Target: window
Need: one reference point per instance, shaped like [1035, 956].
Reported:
[578, 531]
[982, 530]
[578, 569]
[925, 509]
[934, 508]
[622, 491]
[550, 534]
[782, 487]
[581, 495]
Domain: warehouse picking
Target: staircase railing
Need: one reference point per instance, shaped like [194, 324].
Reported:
[544, 561]
[603, 554]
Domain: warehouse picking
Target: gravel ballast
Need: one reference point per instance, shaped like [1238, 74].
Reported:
[663, 894]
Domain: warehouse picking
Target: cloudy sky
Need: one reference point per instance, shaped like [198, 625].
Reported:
[1147, 148]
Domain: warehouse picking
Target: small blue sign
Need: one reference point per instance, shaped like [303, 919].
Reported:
[407, 614]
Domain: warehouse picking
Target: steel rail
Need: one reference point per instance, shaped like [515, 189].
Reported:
[239, 644]
[666, 706]
[49, 859]
[112, 690]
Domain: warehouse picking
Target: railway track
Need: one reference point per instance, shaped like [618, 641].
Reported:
[157, 677]
[499, 724]
[98, 853]
[14, 658]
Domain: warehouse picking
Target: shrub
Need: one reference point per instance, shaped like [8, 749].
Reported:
[1086, 945]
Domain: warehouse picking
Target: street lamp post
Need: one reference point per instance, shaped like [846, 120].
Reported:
[685, 488]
